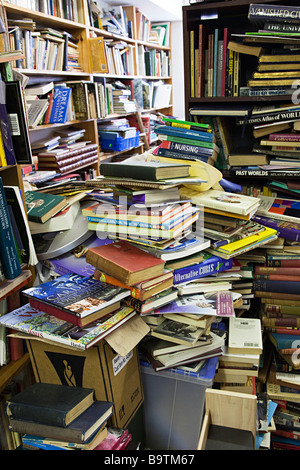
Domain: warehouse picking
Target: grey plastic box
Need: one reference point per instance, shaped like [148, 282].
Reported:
[174, 406]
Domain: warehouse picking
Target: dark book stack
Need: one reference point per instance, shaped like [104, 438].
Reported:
[278, 63]
[58, 417]
[68, 159]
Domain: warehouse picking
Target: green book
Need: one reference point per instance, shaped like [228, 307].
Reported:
[51, 404]
[42, 206]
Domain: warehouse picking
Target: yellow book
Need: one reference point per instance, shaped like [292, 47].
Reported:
[237, 245]
[3, 160]
[260, 82]
[279, 58]
[97, 51]
[192, 62]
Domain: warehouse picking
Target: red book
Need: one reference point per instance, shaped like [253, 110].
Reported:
[72, 318]
[125, 262]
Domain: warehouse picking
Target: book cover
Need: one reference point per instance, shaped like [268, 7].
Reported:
[50, 403]
[34, 322]
[245, 335]
[225, 201]
[76, 294]
[42, 206]
[10, 261]
[79, 431]
[211, 265]
[126, 262]
[187, 149]
[144, 170]
[277, 208]
[213, 304]
[285, 229]
[59, 112]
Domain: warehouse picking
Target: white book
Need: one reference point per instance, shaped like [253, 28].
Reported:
[245, 335]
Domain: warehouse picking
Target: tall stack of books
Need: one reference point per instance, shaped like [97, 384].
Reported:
[58, 417]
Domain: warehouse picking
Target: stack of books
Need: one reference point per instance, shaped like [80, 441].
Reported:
[58, 417]
[239, 365]
[181, 139]
[72, 310]
[142, 274]
[64, 159]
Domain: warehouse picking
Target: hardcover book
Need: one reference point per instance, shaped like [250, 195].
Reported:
[59, 112]
[79, 431]
[277, 208]
[32, 321]
[76, 295]
[127, 263]
[50, 403]
[145, 170]
[42, 206]
[10, 261]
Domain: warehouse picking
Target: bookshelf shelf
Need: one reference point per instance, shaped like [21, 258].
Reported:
[9, 371]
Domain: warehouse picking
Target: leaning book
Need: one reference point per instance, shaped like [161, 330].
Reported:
[32, 321]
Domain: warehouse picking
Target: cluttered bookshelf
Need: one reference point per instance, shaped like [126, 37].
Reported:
[241, 79]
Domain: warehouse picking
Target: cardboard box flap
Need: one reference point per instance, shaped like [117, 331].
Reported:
[124, 339]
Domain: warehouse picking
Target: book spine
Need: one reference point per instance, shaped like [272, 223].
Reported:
[270, 118]
[59, 112]
[67, 161]
[101, 276]
[289, 287]
[237, 171]
[186, 133]
[68, 153]
[263, 12]
[281, 27]
[284, 137]
[56, 312]
[293, 271]
[169, 153]
[277, 277]
[187, 141]
[284, 263]
[186, 148]
[281, 322]
[8, 251]
[276, 295]
[196, 271]
[73, 167]
[284, 309]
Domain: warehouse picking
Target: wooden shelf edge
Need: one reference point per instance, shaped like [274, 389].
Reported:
[10, 370]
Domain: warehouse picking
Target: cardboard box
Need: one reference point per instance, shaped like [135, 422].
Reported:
[111, 367]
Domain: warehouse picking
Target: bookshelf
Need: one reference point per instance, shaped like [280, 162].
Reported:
[82, 29]
[207, 82]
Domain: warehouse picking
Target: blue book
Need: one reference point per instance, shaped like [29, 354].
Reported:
[59, 112]
[211, 265]
[181, 132]
[8, 252]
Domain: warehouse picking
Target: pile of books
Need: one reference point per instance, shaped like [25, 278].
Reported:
[191, 141]
[58, 417]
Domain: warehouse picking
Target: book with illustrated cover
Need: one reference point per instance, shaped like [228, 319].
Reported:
[77, 295]
[32, 321]
[225, 201]
[42, 206]
[214, 304]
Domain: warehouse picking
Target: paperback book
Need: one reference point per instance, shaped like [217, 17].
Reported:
[219, 304]
[32, 321]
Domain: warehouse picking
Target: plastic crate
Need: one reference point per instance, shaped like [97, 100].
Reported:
[118, 143]
[173, 406]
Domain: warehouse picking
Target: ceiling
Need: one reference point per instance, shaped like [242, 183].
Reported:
[156, 10]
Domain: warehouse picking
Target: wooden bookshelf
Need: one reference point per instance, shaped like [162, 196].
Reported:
[12, 369]
[83, 30]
